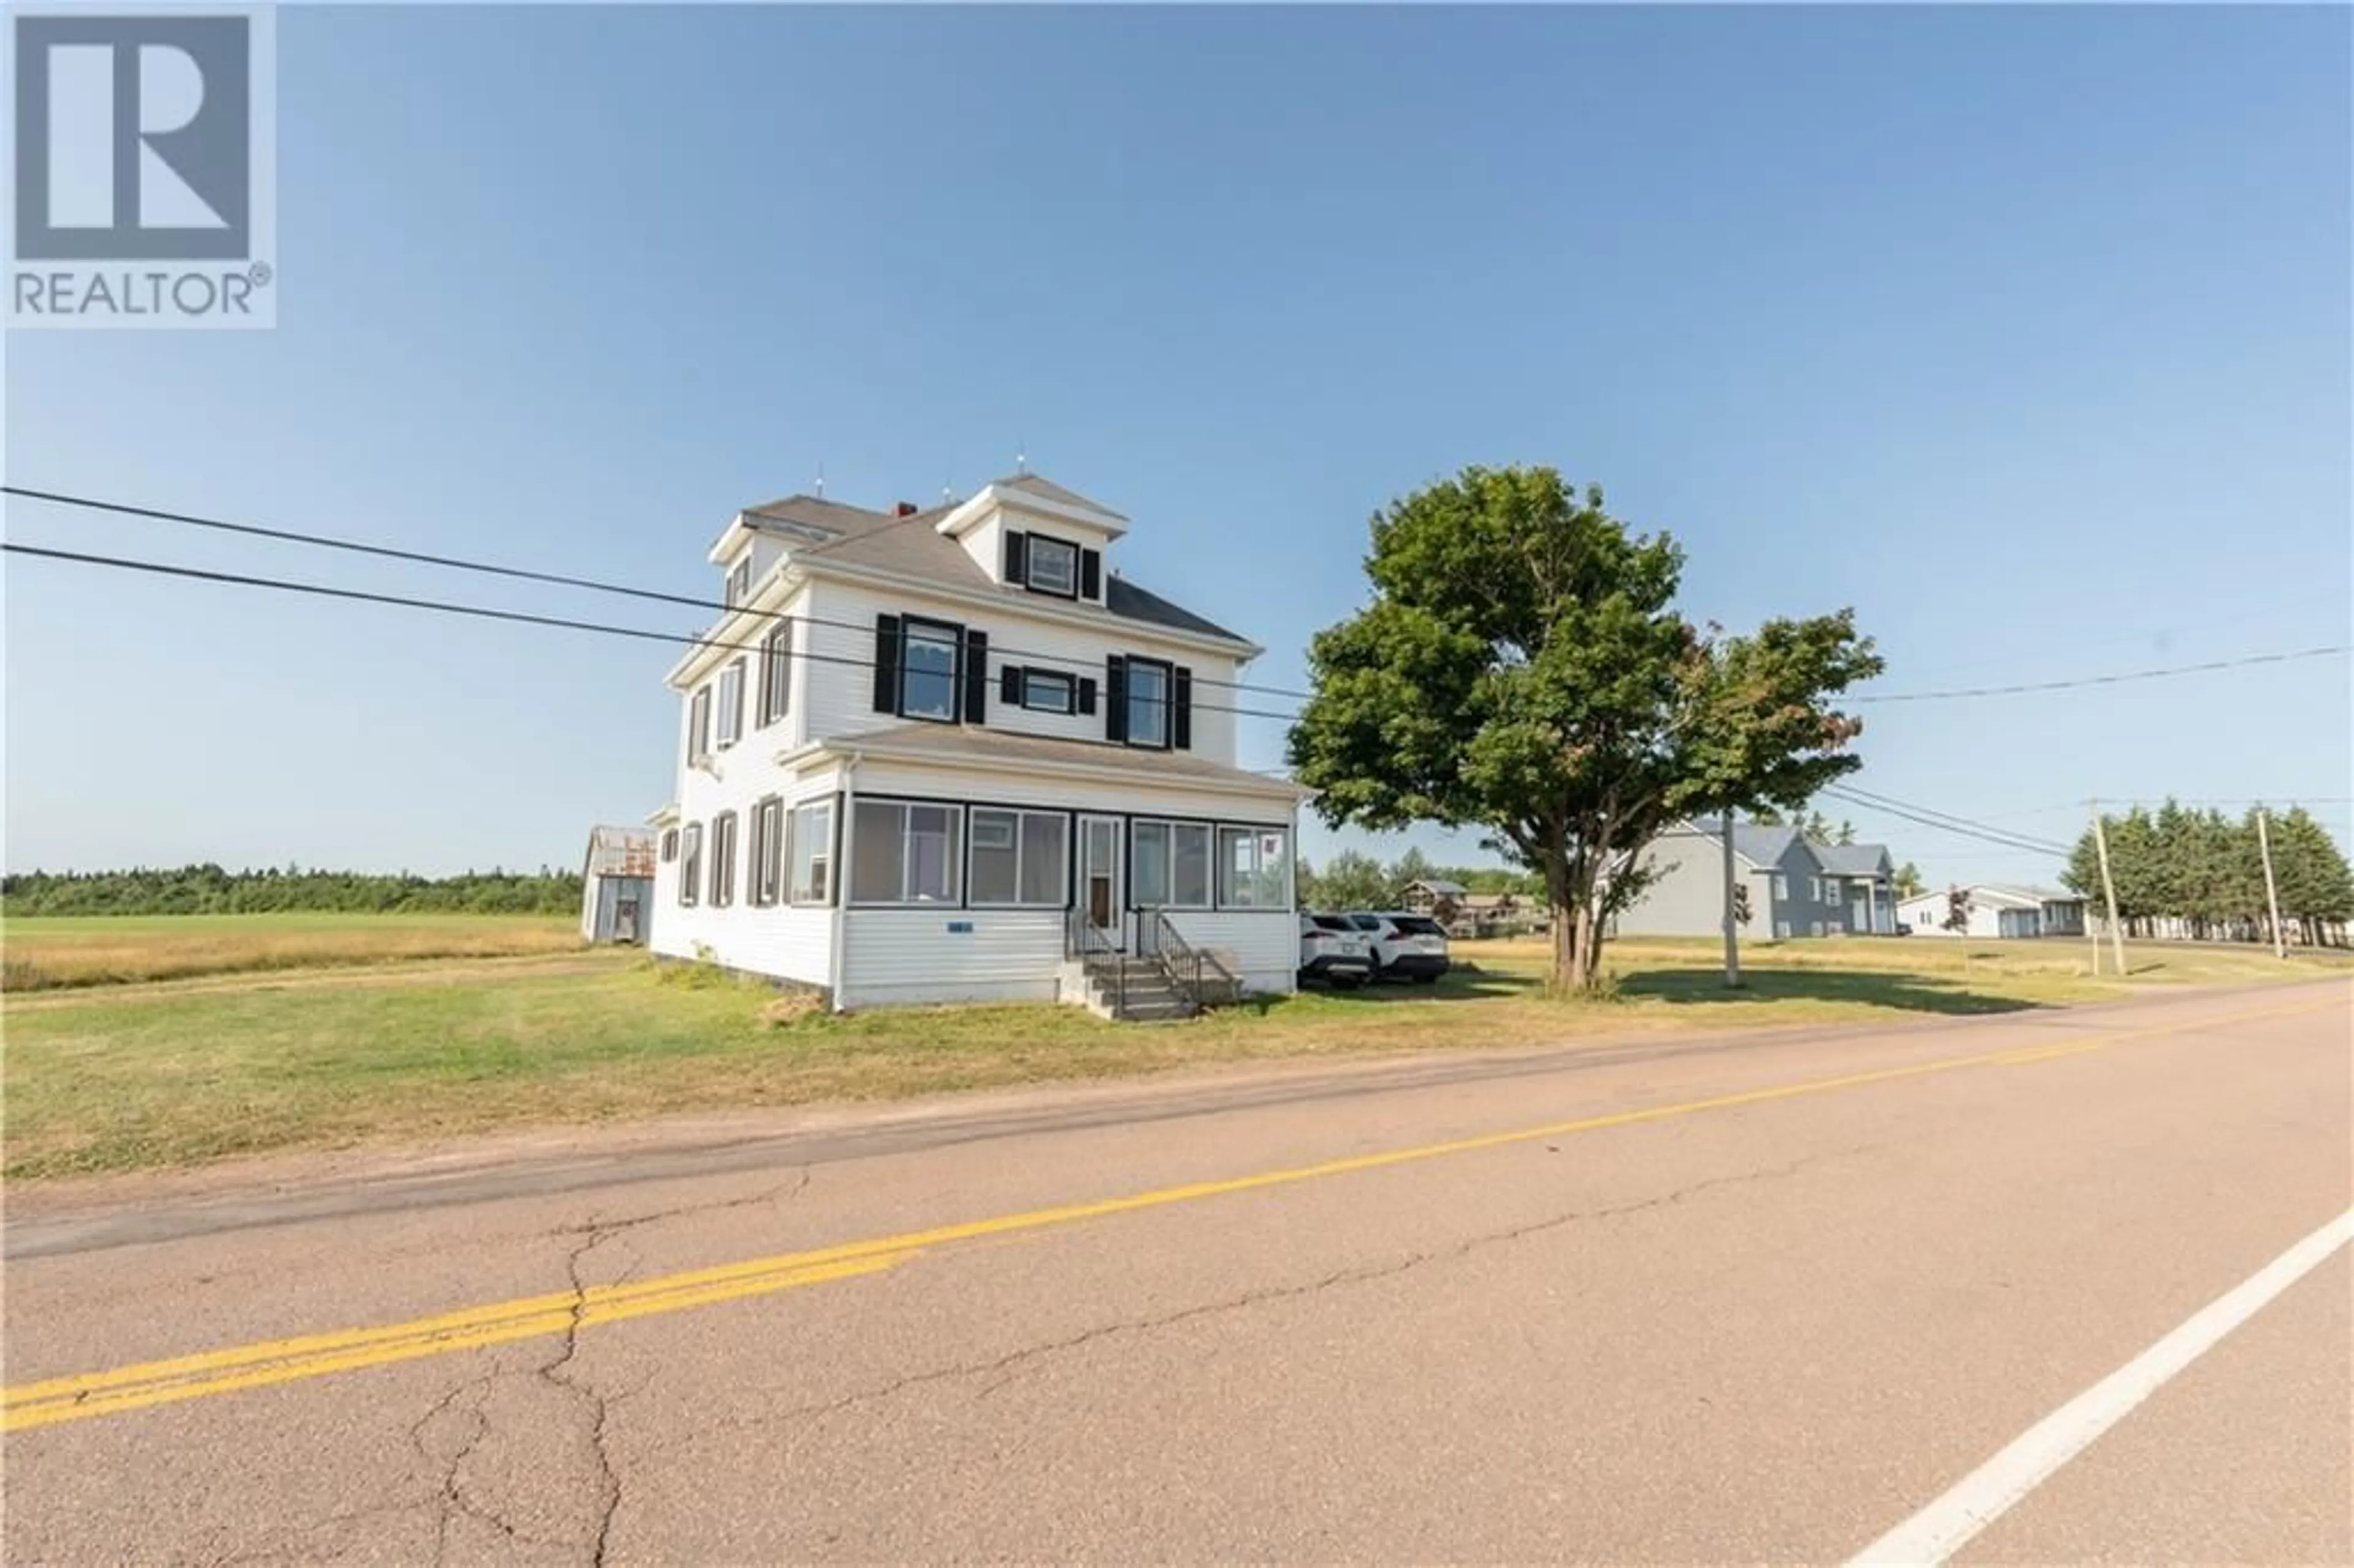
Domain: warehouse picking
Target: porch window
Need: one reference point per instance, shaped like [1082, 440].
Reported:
[904, 853]
[1254, 868]
[811, 879]
[1020, 857]
[690, 864]
[1172, 865]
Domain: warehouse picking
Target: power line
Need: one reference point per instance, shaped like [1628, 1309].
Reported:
[1960, 827]
[2103, 680]
[558, 580]
[1857, 793]
[594, 585]
[477, 611]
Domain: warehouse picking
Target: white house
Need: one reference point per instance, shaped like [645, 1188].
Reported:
[954, 755]
[1997, 909]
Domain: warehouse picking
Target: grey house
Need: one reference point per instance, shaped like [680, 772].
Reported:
[1789, 887]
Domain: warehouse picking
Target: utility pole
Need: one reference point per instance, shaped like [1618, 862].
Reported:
[2109, 889]
[1732, 927]
[2272, 888]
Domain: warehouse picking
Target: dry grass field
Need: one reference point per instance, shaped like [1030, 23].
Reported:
[356, 1035]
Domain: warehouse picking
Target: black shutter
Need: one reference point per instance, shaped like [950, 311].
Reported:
[1180, 716]
[1090, 574]
[976, 676]
[1115, 698]
[887, 663]
[1009, 685]
[1087, 695]
[1017, 556]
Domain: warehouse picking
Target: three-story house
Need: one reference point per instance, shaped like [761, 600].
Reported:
[953, 755]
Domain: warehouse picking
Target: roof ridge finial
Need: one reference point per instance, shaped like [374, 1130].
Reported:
[821, 479]
[1022, 458]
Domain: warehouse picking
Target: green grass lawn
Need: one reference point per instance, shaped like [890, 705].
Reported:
[47, 953]
[132, 1077]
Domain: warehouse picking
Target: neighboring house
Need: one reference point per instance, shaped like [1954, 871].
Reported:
[1487, 914]
[617, 885]
[1998, 909]
[1790, 890]
[1436, 897]
[953, 755]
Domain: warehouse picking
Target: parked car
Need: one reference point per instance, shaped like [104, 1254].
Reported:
[1405, 945]
[1332, 949]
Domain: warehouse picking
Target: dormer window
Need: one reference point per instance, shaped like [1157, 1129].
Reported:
[1044, 564]
[739, 582]
[1053, 565]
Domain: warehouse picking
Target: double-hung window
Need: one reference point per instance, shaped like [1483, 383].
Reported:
[1053, 565]
[698, 724]
[668, 846]
[690, 863]
[1254, 868]
[927, 670]
[731, 703]
[1049, 691]
[1172, 865]
[1020, 857]
[739, 582]
[811, 879]
[1148, 703]
[776, 672]
[905, 852]
[723, 860]
[767, 874]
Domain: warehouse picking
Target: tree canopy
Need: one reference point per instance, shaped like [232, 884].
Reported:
[210, 890]
[1522, 668]
[2200, 873]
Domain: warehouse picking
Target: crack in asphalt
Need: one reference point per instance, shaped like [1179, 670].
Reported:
[1017, 1361]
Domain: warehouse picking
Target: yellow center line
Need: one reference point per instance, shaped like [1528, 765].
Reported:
[260, 1364]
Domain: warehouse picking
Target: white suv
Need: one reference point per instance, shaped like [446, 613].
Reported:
[1333, 950]
[1405, 947]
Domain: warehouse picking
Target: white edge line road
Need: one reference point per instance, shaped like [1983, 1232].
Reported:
[1987, 1493]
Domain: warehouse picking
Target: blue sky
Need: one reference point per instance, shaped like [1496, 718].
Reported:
[2024, 330]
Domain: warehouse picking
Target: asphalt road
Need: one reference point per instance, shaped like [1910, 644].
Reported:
[1775, 1298]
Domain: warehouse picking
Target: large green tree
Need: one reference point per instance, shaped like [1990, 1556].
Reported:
[1354, 880]
[1522, 669]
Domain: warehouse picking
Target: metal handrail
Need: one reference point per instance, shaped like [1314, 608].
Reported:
[1156, 937]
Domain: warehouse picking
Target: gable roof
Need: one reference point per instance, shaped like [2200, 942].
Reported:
[912, 545]
[1759, 843]
[1440, 887]
[1852, 860]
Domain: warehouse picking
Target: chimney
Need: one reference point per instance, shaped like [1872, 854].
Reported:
[908, 509]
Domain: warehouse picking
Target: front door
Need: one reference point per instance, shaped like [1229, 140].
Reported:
[625, 920]
[1099, 872]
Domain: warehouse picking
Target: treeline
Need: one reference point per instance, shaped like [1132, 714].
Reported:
[210, 890]
[2182, 873]
[1354, 880]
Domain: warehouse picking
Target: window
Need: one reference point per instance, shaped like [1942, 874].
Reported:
[928, 671]
[1020, 857]
[1779, 885]
[903, 853]
[1053, 565]
[698, 725]
[668, 846]
[1172, 865]
[812, 854]
[1148, 703]
[690, 864]
[1254, 868]
[731, 703]
[723, 860]
[766, 875]
[776, 672]
[1049, 691]
[739, 582]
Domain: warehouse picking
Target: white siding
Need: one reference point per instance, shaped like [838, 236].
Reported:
[917, 955]
[841, 678]
[785, 941]
[1264, 943]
